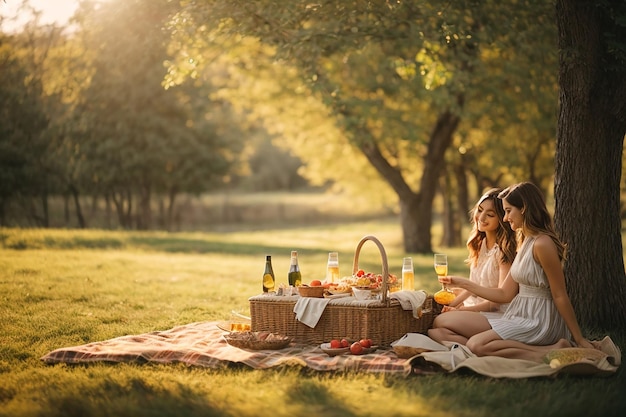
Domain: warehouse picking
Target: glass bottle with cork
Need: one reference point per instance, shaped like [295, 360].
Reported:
[294, 275]
[269, 281]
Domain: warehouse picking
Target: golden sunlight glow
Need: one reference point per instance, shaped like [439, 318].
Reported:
[52, 11]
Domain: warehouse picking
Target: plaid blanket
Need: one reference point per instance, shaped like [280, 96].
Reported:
[202, 344]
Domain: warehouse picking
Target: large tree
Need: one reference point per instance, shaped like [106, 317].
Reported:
[24, 168]
[592, 125]
[159, 141]
[398, 78]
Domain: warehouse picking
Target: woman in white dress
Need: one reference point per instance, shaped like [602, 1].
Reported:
[540, 316]
[491, 245]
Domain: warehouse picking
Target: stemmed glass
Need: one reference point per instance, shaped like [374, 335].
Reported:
[445, 295]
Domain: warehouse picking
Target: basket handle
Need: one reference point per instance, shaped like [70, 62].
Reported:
[383, 256]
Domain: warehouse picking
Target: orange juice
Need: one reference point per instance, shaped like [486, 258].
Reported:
[408, 281]
[441, 270]
[332, 273]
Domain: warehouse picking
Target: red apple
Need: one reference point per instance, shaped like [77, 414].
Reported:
[356, 348]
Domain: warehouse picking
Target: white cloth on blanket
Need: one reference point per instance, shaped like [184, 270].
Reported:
[410, 300]
[419, 341]
[604, 360]
[309, 310]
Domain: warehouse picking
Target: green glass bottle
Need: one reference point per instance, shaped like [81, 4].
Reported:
[295, 277]
[269, 282]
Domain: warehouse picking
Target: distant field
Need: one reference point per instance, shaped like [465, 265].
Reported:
[222, 211]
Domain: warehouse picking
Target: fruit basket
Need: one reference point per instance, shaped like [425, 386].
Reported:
[257, 340]
[383, 321]
[306, 291]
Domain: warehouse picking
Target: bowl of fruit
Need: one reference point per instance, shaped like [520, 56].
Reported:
[345, 346]
[315, 289]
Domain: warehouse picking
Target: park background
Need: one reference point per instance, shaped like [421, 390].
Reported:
[152, 125]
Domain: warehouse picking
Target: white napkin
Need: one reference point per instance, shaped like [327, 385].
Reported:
[410, 300]
[309, 309]
[421, 341]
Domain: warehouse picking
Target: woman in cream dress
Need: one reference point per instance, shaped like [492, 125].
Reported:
[540, 316]
[489, 265]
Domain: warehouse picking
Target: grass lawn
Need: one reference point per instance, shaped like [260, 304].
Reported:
[62, 288]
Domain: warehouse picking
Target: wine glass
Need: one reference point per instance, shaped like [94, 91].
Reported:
[445, 295]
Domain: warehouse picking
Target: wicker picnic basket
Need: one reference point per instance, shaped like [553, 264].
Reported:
[383, 322]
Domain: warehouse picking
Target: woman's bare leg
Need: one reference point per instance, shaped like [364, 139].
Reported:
[458, 326]
[489, 343]
[442, 334]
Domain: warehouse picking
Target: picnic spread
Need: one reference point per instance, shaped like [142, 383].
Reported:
[383, 331]
[202, 344]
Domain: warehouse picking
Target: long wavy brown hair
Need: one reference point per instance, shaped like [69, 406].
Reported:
[505, 236]
[527, 197]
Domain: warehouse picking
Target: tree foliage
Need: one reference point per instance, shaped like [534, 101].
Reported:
[403, 82]
[109, 129]
[23, 123]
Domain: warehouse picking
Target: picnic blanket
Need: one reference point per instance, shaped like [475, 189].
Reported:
[604, 360]
[202, 344]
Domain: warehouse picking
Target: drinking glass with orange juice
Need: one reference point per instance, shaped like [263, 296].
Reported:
[408, 276]
[332, 268]
[445, 295]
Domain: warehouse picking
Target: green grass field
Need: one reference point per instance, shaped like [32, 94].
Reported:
[62, 288]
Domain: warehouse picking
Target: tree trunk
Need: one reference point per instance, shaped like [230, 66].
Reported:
[128, 214]
[79, 212]
[31, 207]
[144, 215]
[45, 209]
[162, 217]
[415, 213]
[123, 206]
[434, 163]
[451, 225]
[462, 193]
[170, 208]
[107, 210]
[66, 209]
[416, 209]
[415, 233]
[94, 205]
[592, 124]
[461, 197]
